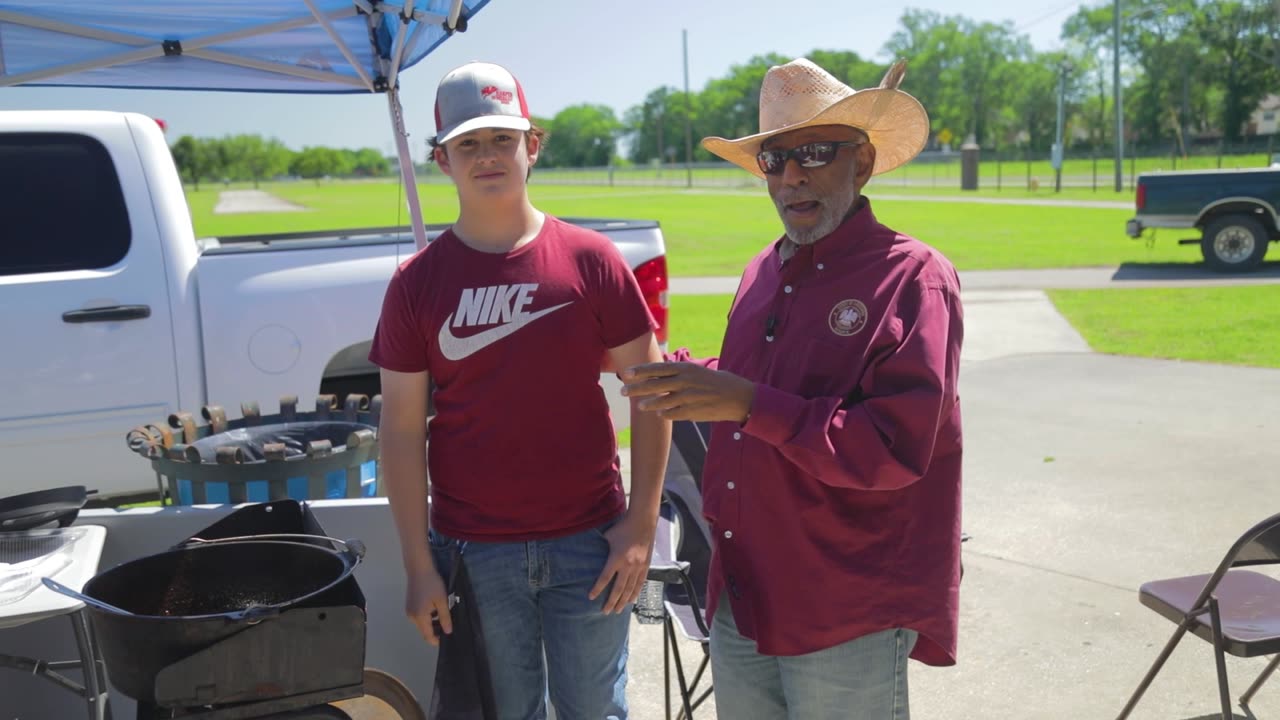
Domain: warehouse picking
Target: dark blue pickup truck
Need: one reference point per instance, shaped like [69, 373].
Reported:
[1234, 210]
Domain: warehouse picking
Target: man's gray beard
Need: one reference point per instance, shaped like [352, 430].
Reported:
[834, 212]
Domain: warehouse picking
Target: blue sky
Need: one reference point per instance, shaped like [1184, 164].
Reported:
[564, 52]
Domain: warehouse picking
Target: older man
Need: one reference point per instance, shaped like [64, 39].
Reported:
[832, 480]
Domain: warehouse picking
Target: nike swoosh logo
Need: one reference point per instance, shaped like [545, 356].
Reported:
[456, 348]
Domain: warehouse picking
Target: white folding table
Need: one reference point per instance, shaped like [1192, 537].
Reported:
[44, 604]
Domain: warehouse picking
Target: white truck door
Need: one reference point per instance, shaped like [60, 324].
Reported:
[86, 348]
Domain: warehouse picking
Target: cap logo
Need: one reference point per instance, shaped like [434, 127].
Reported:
[847, 317]
[492, 92]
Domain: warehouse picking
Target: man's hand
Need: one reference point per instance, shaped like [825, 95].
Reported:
[426, 599]
[686, 391]
[630, 550]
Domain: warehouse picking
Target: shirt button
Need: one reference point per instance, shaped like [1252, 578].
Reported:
[768, 338]
[737, 436]
[730, 486]
[728, 534]
[821, 266]
[787, 289]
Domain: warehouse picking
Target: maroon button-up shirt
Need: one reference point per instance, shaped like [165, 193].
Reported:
[835, 508]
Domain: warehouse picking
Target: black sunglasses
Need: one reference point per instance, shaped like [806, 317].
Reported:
[809, 155]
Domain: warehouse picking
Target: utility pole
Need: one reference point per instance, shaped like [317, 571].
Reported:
[1186, 105]
[1115, 53]
[662, 149]
[1057, 145]
[688, 110]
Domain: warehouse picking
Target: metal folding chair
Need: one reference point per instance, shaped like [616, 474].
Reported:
[1237, 611]
[682, 558]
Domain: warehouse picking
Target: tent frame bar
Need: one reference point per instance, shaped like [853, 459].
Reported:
[149, 48]
[323, 21]
[397, 51]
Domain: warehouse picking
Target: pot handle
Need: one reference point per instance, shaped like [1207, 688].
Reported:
[58, 587]
[353, 549]
[254, 615]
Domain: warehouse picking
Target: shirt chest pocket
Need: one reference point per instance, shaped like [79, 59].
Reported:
[819, 367]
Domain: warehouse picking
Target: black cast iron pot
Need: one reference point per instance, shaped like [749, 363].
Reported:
[151, 612]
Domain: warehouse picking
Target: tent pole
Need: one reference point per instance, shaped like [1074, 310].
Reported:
[406, 168]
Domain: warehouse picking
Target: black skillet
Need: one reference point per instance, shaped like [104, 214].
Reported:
[41, 507]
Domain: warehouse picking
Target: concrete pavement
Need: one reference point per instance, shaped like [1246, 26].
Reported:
[252, 201]
[1087, 475]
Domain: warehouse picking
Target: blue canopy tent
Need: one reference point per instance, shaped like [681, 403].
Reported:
[280, 46]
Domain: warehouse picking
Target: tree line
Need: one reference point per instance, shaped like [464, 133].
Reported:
[252, 158]
[1192, 71]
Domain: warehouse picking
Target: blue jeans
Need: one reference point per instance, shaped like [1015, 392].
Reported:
[863, 679]
[532, 598]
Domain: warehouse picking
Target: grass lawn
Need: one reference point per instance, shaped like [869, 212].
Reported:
[698, 322]
[712, 232]
[1230, 325]
[329, 206]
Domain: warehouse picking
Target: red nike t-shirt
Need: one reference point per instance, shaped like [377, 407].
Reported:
[521, 446]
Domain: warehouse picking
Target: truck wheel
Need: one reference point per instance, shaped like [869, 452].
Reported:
[1234, 243]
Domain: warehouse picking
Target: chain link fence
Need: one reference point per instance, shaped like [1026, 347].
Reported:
[1014, 169]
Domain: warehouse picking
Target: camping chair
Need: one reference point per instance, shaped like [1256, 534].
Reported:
[1238, 611]
[681, 561]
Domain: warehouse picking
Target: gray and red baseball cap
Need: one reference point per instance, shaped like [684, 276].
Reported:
[479, 95]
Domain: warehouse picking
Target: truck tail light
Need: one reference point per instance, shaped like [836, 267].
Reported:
[652, 276]
[1141, 199]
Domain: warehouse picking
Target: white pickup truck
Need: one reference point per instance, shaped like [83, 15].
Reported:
[113, 314]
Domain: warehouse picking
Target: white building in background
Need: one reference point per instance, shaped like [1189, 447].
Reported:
[1265, 120]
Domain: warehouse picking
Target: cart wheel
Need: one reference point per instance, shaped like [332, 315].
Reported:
[385, 698]
[326, 712]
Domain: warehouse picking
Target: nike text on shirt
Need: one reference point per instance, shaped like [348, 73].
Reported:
[486, 306]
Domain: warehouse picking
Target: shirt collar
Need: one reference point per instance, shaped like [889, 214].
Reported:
[840, 241]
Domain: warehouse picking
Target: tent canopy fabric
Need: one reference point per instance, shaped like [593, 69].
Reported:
[283, 46]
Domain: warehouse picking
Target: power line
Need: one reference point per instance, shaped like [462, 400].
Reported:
[1046, 16]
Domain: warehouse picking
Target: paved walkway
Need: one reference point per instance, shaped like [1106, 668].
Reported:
[252, 201]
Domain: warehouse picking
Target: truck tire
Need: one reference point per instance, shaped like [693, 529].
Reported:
[1234, 243]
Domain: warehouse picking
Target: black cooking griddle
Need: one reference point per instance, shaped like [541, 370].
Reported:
[41, 507]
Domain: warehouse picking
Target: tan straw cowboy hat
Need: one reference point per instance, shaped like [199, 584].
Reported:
[801, 94]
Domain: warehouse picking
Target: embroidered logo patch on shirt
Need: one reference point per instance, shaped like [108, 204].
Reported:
[848, 317]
